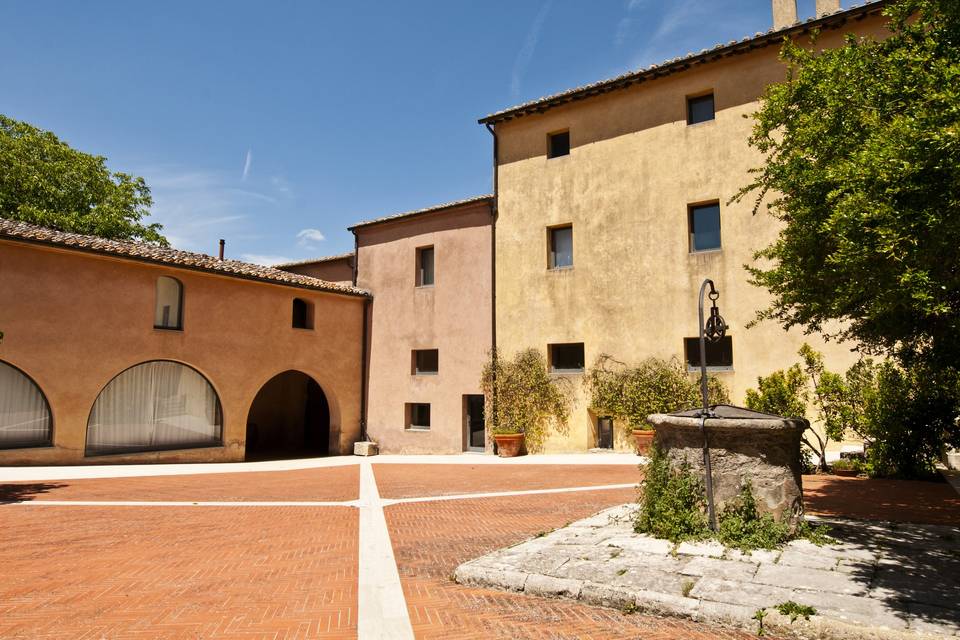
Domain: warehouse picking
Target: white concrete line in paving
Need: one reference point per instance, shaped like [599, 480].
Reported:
[504, 494]
[382, 608]
[24, 474]
[177, 503]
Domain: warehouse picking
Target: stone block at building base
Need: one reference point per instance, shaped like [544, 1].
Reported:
[365, 448]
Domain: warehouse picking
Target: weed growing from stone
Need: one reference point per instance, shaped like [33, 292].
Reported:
[759, 615]
[686, 588]
[794, 610]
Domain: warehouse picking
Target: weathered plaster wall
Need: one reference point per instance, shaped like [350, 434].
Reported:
[73, 321]
[453, 316]
[634, 167]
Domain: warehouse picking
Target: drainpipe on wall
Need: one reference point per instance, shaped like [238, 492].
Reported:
[364, 370]
[364, 344]
[494, 212]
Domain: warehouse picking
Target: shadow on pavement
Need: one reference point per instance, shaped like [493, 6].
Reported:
[11, 493]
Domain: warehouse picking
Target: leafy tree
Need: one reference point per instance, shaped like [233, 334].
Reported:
[46, 182]
[862, 160]
[521, 397]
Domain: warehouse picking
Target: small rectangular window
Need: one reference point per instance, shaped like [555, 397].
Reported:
[302, 314]
[426, 362]
[704, 221]
[565, 358]
[425, 267]
[700, 109]
[418, 415]
[558, 144]
[561, 247]
[719, 354]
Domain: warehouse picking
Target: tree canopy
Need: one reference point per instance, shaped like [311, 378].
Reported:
[46, 182]
[862, 164]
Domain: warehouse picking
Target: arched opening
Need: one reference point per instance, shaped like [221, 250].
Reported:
[155, 406]
[290, 417]
[24, 412]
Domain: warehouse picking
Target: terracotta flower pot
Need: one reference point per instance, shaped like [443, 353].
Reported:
[643, 439]
[508, 444]
[846, 473]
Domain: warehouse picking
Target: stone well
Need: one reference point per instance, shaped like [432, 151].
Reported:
[744, 445]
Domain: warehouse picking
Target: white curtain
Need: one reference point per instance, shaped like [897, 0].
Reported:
[24, 414]
[155, 405]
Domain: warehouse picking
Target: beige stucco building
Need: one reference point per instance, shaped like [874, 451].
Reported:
[430, 326]
[613, 205]
[125, 352]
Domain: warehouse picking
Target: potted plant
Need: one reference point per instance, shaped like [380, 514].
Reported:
[631, 393]
[846, 467]
[529, 401]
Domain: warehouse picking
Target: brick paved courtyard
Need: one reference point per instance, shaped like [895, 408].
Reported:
[274, 554]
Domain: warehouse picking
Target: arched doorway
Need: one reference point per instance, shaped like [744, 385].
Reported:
[290, 417]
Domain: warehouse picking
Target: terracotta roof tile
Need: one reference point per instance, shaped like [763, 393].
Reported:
[297, 263]
[674, 65]
[22, 231]
[418, 212]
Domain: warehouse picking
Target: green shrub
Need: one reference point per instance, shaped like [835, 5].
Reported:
[631, 393]
[528, 399]
[741, 526]
[847, 464]
[672, 502]
[911, 416]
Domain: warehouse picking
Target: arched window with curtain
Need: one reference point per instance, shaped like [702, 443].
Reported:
[24, 412]
[169, 310]
[155, 406]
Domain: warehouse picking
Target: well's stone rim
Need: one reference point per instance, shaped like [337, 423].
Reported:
[720, 424]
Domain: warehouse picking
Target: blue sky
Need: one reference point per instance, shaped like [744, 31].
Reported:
[277, 124]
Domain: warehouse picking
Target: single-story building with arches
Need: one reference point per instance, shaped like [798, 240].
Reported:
[116, 351]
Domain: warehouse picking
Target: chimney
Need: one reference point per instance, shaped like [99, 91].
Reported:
[785, 12]
[222, 243]
[827, 6]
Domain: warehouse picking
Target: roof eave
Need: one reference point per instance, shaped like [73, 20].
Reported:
[682, 64]
[356, 293]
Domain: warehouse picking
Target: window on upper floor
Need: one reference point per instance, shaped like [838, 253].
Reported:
[302, 314]
[425, 273]
[558, 144]
[704, 223]
[169, 309]
[719, 353]
[417, 415]
[700, 109]
[426, 362]
[560, 240]
[566, 357]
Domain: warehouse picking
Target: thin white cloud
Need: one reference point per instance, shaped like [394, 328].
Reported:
[246, 164]
[281, 185]
[196, 207]
[265, 260]
[308, 236]
[529, 46]
[623, 29]
[680, 29]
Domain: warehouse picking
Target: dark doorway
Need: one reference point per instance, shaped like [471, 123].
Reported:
[605, 433]
[475, 425]
[289, 418]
